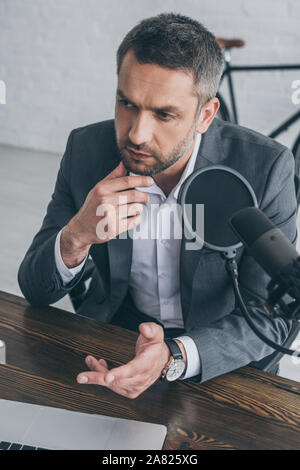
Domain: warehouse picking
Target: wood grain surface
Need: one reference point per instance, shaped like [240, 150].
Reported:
[46, 347]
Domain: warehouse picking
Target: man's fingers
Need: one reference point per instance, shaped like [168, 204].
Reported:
[103, 363]
[130, 388]
[115, 214]
[125, 197]
[129, 380]
[129, 223]
[96, 378]
[95, 365]
[122, 183]
[104, 377]
[132, 209]
[119, 171]
[99, 370]
[131, 370]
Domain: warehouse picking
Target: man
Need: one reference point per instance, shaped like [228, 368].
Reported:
[169, 68]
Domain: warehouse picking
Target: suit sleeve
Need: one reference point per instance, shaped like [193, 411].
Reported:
[38, 276]
[229, 343]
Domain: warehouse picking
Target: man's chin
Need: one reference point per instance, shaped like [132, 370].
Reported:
[143, 167]
[138, 167]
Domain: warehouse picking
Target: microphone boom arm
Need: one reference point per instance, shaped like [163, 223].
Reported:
[232, 269]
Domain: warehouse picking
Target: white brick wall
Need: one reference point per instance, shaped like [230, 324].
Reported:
[57, 58]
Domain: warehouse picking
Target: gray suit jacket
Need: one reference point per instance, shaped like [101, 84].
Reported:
[212, 318]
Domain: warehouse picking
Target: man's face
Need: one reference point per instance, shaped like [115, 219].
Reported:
[154, 115]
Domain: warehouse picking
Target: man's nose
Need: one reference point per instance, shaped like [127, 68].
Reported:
[141, 130]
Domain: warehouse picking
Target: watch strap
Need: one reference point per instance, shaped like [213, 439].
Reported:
[174, 348]
[176, 355]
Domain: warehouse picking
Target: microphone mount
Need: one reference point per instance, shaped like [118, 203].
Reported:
[286, 283]
[232, 269]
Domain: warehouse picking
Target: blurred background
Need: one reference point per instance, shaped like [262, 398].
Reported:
[57, 60]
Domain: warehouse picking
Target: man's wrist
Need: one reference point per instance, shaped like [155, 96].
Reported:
[72, 250]
[177, 360]
[66, 274]
[183, 352]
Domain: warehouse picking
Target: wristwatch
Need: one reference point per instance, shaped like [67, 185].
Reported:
[176, 365]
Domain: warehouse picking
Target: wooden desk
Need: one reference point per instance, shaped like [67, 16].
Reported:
[46, 347]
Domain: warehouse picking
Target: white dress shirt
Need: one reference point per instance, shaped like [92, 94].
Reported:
[154, 281]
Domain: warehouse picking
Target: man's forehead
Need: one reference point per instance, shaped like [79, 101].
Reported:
[136, 77]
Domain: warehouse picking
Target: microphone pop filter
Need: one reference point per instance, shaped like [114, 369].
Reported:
[223, 191]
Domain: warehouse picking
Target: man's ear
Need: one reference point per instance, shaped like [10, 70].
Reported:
[207, 114]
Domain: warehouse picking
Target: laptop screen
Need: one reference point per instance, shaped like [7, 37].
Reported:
[2, 352]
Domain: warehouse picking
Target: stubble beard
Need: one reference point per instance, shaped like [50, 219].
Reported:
[162, 162]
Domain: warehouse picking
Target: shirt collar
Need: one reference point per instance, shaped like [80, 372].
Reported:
[187, 171]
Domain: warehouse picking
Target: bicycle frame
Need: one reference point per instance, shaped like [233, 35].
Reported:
[229, 70]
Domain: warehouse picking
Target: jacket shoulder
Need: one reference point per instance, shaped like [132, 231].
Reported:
[103, 129]
[242, 137]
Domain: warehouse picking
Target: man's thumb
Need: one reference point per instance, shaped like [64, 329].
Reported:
[119, 171]
[148, 330]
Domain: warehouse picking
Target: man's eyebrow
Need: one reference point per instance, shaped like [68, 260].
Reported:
[166, 109]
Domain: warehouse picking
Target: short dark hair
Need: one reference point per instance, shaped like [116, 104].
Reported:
[175, 41]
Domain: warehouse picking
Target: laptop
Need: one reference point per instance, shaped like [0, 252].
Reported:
[24, 426]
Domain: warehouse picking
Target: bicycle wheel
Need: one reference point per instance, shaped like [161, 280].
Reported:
[296, 153]
[223, 112]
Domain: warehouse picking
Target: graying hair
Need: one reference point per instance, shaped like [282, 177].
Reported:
[175, 41]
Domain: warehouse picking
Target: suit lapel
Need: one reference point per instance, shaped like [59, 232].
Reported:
[210, 153]
[120, 256]
[119, 249]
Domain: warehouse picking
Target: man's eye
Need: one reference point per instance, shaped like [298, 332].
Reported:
[125, 103]
[164, 116]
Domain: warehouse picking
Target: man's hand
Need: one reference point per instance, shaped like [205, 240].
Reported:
[133, 378]
[111, 207]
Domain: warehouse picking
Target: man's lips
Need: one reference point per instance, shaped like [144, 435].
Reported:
[137, 155]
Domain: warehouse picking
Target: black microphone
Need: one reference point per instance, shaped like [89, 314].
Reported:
[266, 243]
[274, 252]
[227, 196]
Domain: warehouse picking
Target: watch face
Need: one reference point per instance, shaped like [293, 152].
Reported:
[175, 370]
